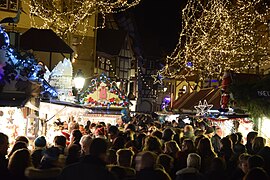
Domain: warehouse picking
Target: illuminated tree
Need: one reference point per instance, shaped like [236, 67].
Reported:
[73, 16]
[219, 35]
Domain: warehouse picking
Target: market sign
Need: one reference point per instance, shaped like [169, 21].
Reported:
[263, 93]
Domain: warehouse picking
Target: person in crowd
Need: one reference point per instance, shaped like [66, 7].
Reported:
[171, 148]
[216, 139]
[255, 161]
[60, 143]
[192, 171]
[250, 137]
[188, 147]
[23, 139]
[124, 162]
[189, 132]
[16, 146]
[209, 132]
[217, 170]
[81, 129]
[257, 144]
[206, 152]
[38, 152]
[118, 143]
[87, 127]
[92, 165]
[265, 154]
[167, 163]
[113, 132]
[242, 167]
[74, 153]
[75, 137]
[167, 135]
[85, 144]
[234, 139]
[226, 151]
[49, 168]
[18, 162]
[153, 144]
[146, 167]
[4, 145]
[256, 173]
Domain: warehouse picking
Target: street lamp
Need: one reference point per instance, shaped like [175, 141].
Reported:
[79, 81]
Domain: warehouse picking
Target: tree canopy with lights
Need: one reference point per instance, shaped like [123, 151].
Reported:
[220, 35]
[73, 16]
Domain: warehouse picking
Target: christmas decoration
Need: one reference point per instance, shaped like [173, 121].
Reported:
[203, 108]
[61, 79]
[73, 16]
[20, 70]
[158, 78]
[4, 39]
[221, 35]
[102, 92]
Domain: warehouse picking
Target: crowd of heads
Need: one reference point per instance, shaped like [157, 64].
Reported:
[141, 149]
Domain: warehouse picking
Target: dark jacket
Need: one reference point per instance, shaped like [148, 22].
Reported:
[189, 173]
[89, 168]
[151, 173]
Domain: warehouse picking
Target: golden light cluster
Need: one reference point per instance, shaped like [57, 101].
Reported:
[73, 16]
[220, 35]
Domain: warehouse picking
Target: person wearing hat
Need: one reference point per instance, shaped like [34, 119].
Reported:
[40, 145]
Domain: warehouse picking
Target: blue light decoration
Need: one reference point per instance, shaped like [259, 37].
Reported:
[189, 64]
[22, 67]
[165, 103]
[4, 39]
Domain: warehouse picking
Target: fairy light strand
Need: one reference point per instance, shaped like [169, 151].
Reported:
[219, 35]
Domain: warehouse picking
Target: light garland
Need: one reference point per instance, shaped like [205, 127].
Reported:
[72, 16]
[220, 35]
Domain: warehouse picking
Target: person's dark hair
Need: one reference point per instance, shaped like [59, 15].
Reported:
[22, 138]
[3, 138]
[251, 135]
[234, 138]
[157, 133]
[60, 140]
[73, 154]
[18, 145]
[256, 173]
[168, 134]
[255, 161]
[113, 130]
[226, 143]
[76, 133]
[98, 146]
[240, 137]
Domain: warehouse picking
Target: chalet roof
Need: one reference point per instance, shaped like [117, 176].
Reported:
[189, 100]
[110, 41]
[43, 40]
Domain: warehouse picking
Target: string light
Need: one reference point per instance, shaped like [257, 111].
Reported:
[73, 16]
[220, 35]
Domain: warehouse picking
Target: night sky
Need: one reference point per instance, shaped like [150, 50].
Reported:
[159, 24]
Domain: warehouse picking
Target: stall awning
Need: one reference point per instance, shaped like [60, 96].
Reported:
[188, 100]
[43, 40]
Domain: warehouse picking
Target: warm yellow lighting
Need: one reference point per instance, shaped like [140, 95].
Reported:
[220, 35]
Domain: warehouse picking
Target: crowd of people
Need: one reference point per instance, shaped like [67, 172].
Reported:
[141, 149]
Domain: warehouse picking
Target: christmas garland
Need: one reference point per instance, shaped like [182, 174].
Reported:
[247, 95]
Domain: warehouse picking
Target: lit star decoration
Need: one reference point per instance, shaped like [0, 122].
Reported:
[73, 16]
[157, 78]
[220, 35]
[203, 108]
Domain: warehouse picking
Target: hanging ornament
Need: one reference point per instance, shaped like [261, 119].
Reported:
[203, 108]
[158, 78]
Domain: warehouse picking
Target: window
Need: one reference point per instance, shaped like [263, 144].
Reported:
[11, 5]
[124, 67]
[104, 63]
